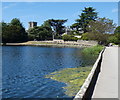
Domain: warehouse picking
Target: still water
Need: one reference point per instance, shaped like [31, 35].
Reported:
[24, 69]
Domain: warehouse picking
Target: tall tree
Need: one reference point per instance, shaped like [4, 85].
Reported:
[57, 26]
[87, 15]
[75, 26]
[13, 32]
[100, 29]
[16, 22]
[5, 32]
[43, 32]
[101, 25]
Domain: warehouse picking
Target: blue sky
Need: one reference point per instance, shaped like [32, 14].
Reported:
[41, 11]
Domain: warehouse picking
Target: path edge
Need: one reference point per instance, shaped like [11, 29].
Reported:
[86, 91]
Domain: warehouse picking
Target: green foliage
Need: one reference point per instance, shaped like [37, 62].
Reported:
[69, 38]
[117, 34]
[117, 30]
[94, 51]
[101, 25]
[100, 30]
[113, 39]
[85, 36]
[73, 77]
[57, 26]
[86, 16]
[43, 32]
[16, 22]
[75, 26]
[13, 32]
[101, 38]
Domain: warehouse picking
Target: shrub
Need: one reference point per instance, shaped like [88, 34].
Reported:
[94, 51]
[101, 38]
[85, 36]
[113, 39]
[69, 38]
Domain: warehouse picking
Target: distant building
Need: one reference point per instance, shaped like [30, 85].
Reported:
[78, 36]
[67, 31]
[32, 24]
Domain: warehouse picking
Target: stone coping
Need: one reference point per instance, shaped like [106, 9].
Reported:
[51, 44]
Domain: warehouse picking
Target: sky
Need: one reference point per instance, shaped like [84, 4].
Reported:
[41, 11]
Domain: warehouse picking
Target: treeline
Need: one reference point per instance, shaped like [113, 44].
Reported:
[13, 32]
[48, 30]
[89, 26]
[102, 30]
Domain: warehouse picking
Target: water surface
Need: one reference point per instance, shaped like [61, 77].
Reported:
[24, 69]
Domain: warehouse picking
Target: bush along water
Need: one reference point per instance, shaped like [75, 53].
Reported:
[93, 51]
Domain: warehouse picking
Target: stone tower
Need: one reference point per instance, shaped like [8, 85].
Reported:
[32, 24]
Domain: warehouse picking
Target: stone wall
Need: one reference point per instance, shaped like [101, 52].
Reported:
[87, 42]
[79, 42]
[59, 42]
[87, 88]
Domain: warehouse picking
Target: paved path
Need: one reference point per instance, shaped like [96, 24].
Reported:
[107, 83]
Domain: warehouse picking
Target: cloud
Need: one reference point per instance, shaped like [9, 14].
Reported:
[114, 10]
[9, 6]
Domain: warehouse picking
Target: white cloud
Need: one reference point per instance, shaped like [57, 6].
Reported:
[115, 10]
[9, 6]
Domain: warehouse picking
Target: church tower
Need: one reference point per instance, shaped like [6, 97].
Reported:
[32, 24]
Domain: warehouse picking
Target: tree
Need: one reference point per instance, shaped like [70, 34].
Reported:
[75, 26]
[117, 30]
[85, 36]
[117, 33]
[45, 33]
[69, 38]
[33, 33]
[113, 39]
[5, 32]
[42, 32]
[47, 29]
[57, 26]
[101, 25]
[16, 22]
[100, 29]
[13, 32]
[88, 15]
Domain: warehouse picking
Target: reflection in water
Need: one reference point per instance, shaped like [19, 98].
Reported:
[24, 68]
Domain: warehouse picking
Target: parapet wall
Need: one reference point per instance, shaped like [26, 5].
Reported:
[79, 42]
[87, 89]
